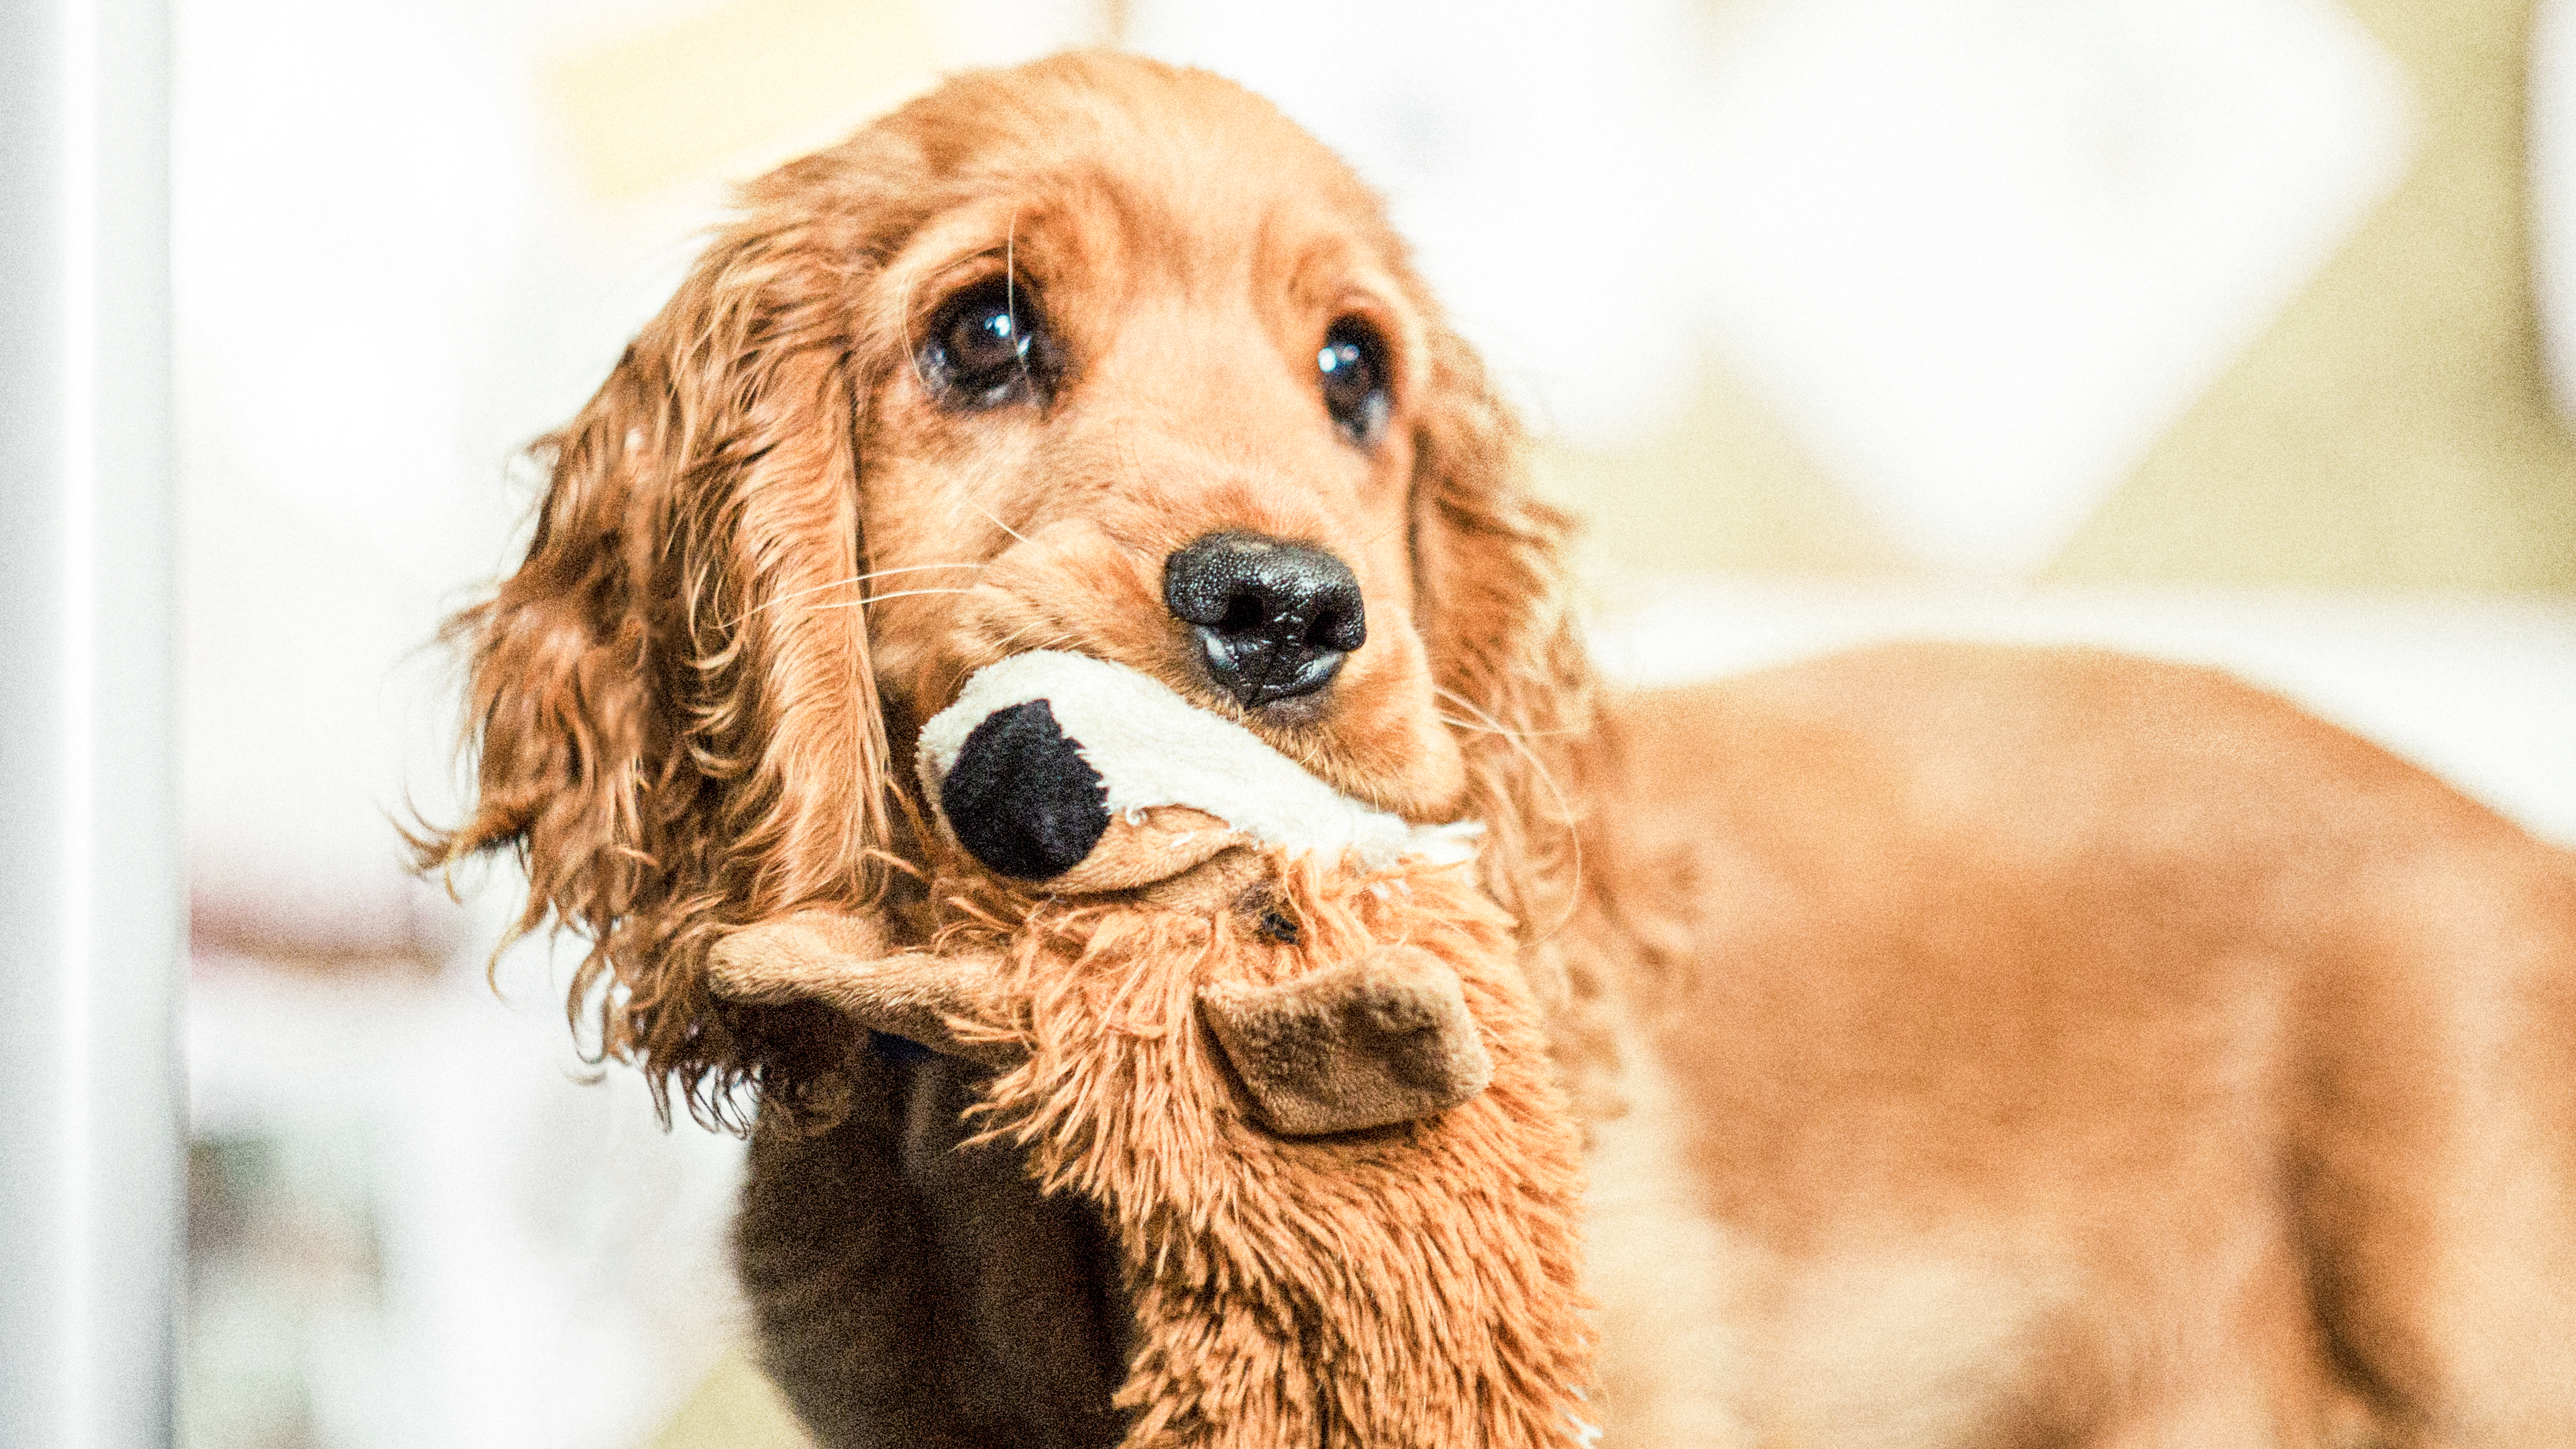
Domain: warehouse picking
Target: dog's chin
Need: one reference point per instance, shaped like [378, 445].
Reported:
[1373, 735]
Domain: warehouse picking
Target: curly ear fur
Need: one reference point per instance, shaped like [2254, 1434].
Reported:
[1514, 678]
[676, 717]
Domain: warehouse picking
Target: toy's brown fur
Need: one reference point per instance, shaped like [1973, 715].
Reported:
[1979, 1047]
[1412, 1287]
[1412, 1281]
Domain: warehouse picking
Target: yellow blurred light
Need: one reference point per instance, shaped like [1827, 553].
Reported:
[734, 88]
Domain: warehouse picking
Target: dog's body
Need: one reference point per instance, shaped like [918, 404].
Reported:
[2017, 1048]
[1978, 1047]
[2047, 1048]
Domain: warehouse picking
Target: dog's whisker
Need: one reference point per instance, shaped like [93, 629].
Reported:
[1061, 639]
[1495, 729]
[1485, 723]
[1518, 740]
[996, 520]
[844, 583]
[881, 598]
[1008, 639]
[1385, 533]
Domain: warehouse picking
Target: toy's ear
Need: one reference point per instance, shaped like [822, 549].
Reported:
[946, 1003]
[1382, 1040]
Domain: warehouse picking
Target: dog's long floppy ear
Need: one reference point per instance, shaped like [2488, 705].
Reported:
[671, 696]
[1498, 620]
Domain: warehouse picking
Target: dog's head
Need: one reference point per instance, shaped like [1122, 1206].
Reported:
[1095, 355]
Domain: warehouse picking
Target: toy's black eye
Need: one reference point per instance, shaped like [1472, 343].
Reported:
[988, 346]
[1353, 367]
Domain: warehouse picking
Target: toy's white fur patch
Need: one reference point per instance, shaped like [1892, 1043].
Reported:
[1151, 747]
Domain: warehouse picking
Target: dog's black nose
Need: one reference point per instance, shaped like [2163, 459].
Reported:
[1272, 618]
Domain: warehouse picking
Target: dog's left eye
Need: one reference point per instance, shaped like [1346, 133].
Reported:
[988, 346]
[1352, 364]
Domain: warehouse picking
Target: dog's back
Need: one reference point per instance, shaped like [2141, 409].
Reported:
[2056, 1047]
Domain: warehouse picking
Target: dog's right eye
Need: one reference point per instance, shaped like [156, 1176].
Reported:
[988, 347]
[1353, 367]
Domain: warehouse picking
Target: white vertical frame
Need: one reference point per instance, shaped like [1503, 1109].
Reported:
[90, 897]
[2553, 189]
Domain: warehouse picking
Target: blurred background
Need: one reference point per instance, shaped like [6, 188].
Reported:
[2219, 329]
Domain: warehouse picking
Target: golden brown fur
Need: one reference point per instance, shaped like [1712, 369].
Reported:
[2207, 1072]
[2022, 1049]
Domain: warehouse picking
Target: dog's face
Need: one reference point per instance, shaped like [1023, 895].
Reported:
[1094, 355]
[1160, 409]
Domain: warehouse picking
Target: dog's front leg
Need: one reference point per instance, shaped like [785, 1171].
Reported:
[910, 1289]
[912, 1286]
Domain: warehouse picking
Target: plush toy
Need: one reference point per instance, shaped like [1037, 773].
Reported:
[1278, 1040]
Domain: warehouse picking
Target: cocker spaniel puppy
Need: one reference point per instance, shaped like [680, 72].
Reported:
[1974, 1047]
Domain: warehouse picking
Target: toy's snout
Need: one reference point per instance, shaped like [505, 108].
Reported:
[1021, 798]
[1091, 776]
[1095, 778]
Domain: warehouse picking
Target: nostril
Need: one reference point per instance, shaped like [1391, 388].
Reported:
[1337, 628]
[1243, 614]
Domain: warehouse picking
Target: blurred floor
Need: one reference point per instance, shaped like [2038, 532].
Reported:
[419, 1220]
[734, 1407]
